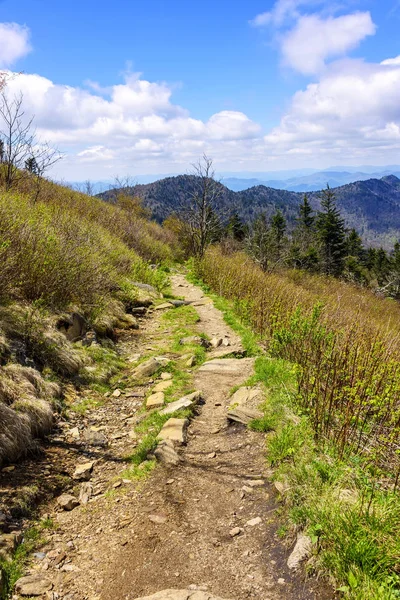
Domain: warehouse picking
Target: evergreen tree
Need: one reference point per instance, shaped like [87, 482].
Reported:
[258, 241]
[235, 228]
[331, 233]
[277, 237]
[304, 249]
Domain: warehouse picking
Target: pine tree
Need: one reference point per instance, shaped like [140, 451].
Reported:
[235, 228]
[304, 249]
[258, 241]
[331, 232]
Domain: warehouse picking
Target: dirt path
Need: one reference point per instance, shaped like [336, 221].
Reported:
[175, 529]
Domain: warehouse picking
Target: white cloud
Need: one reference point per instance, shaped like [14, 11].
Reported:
[14, 43]
[308, 34]
[352, 111]
[313, 40]
[113, 128]
[282, 11]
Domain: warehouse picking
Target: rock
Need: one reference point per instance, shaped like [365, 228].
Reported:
[85, 492]
[226, 342]
[67, 502]
[255, 483]
[301, 551]
[235, 531]
[8, 545]
[188, 401]
[95, 438]
[222, 366]
[216, 342]
[175, 430]
[72, 326]
[193, 593]
[146, 369]
[89, 338]
[155, 400]
[116, 393]
[247, 396]
[148, 288]
[194, 340]
[281, 487]
[33, 585]
[162, 386]
[166, 376]
[158, 519]
[139, 310]
[243, 414]
[254, 522]
[74, 433]
[83, 471]
[164, 306]
[166, 454]
[127, 321]
[191, 361]
[163, 360]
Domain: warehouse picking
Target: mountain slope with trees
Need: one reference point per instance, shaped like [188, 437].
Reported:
[372, 206]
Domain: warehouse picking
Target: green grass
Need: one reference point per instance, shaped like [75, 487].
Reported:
[34, 539]
[354, 523]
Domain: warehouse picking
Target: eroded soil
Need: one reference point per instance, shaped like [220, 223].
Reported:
[174, 529]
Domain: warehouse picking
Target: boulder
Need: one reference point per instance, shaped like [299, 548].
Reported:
[83, 472]
[216, 342]
[188, 401]
[175, 430]
[166, 454]
[33, 585]
[67, 502]
[301, 551]
[155, 400]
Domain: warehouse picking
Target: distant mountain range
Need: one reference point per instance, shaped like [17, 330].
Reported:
[371, 206]
[307, 183]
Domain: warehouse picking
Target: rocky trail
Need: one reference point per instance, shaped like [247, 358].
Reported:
[203, 525]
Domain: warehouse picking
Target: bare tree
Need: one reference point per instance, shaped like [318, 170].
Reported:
[22, 153]
[201, 211]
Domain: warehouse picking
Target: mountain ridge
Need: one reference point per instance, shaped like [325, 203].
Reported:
[371, 206]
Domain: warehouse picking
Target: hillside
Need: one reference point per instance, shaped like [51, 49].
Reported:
[371, 206]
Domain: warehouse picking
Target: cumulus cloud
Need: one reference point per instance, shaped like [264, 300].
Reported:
[14, 43]
[308, 35]
[314, 39]
[132, 121]
[353, 110]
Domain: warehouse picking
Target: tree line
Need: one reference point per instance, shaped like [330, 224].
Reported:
[319, 242]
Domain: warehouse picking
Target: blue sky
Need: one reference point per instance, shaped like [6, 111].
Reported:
[138, 86]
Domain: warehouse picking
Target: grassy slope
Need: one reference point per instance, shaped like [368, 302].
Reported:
[342, 500]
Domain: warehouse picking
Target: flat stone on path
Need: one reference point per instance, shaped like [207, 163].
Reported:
[83, 471]
[223, 366]
[188, 401]
[155, 400]
[175, 430]
[247, 396]
[180, 595]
